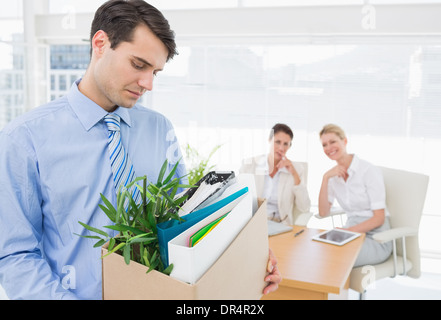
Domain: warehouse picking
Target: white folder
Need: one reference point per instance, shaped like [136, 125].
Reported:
[190, 263]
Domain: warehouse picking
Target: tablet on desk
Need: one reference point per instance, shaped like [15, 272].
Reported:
[338, 237]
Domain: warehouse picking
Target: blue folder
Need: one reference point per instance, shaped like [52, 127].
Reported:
[170, 229]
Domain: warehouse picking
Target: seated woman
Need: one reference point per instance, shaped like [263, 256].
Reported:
[278, 179]
[358, 187]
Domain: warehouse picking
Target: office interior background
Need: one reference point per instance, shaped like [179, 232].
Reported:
[371, 66]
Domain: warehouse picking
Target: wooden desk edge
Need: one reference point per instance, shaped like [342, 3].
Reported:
[320, 288]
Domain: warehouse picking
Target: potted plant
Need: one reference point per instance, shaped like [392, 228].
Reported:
[197, 164]
[136, 237]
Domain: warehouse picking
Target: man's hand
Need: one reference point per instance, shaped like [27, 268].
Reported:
[274, 277]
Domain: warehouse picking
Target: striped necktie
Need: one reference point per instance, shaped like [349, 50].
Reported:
[122, 167]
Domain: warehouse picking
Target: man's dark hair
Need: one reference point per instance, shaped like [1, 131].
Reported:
[281, 127]
[119, 19]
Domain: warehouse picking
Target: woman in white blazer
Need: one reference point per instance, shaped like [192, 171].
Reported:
[279, 180]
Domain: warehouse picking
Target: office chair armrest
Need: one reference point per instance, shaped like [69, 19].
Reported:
[303, 218]
[395, 233]
[335, 211]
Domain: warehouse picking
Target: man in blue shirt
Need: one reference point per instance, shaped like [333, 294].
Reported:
[54, 160]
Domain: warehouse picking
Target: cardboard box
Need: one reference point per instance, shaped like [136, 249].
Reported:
[238, 273]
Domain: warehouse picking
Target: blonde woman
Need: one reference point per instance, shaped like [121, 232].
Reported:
[358, 187]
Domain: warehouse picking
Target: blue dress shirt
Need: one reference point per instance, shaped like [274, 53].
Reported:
[54, 163]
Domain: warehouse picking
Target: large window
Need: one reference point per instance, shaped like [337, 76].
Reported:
[386, 96]
[385, 91]
[12, 84]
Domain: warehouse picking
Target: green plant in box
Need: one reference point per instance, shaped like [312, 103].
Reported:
[198, 165]
[137, 237]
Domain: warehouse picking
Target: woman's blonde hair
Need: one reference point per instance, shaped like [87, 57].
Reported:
[333, 128]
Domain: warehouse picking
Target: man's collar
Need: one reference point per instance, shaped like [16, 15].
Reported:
[88, 112]
[123, 113]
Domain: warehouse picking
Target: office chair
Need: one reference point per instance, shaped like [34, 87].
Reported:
[334, 212]
[301, 218]
[405, 196]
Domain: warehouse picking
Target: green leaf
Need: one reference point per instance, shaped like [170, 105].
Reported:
[126, 253]
[143, 235]
[94, 229]
[120, 205]
[142, 240]
[180, 200]
[166, 196]
[99, 243]
[87, 237]
[111, 244]
[162, 171]
[154, 256]
[186, 186]
[107, 212]
[145, 223]
[135, 212]
[135, 181]
[172, 172]
[149, 262]
[109, 209]
[151, 198]
[154, 261]
[119, 246]
[171, 215]
[169, 186]
[145, 258]
[174, 191]
[122, 228]
[121, 210]
[154, 190]
[168, 270]
[152, 221]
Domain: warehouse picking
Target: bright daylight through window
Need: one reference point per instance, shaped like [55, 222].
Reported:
[384, 90]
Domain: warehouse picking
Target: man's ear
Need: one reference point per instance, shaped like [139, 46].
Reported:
[99, 43]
